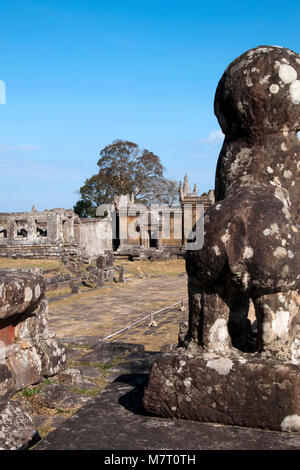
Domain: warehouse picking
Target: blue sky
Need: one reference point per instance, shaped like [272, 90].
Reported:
[81, 73]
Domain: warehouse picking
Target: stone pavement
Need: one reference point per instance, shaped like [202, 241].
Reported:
[104, 311]
[115, 420]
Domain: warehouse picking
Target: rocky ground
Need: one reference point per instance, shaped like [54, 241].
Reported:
[82, 320]
[91, 366]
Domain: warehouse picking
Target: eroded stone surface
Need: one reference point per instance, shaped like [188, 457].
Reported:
[251, 251]
[28, 350]
[58, 396]
[252, 244]
[240, 389]
[119, 407]
[6, 385]
[16, 427]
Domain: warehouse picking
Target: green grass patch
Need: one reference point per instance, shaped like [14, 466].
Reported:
[100, 366]
[59, 411]
[30, 392]
[48, 381]
[87, 393]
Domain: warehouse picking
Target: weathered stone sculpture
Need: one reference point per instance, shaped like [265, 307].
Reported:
[251, 252]
[28, 350]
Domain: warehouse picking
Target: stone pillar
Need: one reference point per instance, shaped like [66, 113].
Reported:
[11, 229]
[53, 227]
[31, 232]
[123, 227]
[121, 274]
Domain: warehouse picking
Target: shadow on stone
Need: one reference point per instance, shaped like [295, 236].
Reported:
[132, 400]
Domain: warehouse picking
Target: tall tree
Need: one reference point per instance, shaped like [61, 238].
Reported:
[125, 169]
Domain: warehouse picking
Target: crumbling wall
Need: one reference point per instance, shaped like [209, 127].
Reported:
[38, 234]
[29, 351]
[53, 233]
[95, 237]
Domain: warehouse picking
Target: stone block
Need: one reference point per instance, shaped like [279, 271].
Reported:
[31, 329]
[25, 367]
[233, 389]
[59, 396]
[53, 357]
[16, 427]
[101, 262]
[20, 291]
[7, 385]
[70, 376]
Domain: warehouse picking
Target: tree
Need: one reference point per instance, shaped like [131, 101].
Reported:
[125, 169]
[165, 191]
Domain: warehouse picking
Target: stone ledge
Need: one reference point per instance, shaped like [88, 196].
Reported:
[116, 420]
[234, 389]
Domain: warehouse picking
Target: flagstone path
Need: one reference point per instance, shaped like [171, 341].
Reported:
[105, 311]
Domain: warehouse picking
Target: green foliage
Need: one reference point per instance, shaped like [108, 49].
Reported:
[85, 208]
[30, 392]
[48, 381]
[126, 169]
[87, 393]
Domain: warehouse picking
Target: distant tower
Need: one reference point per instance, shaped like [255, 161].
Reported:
[186, 197]
[186, 189]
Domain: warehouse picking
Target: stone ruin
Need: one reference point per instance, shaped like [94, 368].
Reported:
[126, 227]
[29, 351]
[53, 233]
[224, 373]
[156, 232]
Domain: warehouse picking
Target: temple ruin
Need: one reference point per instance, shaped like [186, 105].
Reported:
[127, 228]
[52, 233]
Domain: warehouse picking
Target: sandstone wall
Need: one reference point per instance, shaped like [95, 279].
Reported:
[95, 237]
[29, 351]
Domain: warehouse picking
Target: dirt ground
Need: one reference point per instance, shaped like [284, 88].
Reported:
[149, 286]
[106, 311]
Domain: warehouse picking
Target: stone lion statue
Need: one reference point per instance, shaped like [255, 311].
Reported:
[252, 233]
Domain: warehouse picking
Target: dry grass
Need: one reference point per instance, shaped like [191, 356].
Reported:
[85, 293]
[55, 265]
[65, 292]
[156, 340]
[145, 268]
[172, 268]
[131, 268]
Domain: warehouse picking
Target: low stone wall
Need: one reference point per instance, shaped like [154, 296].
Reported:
[153, 254]
[59, 281]
[19, 249]
[29, 351]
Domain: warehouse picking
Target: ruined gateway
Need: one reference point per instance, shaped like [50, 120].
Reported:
[251, 251]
